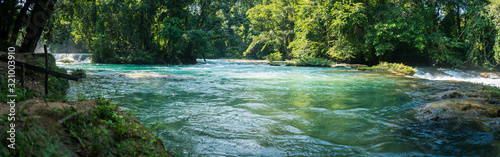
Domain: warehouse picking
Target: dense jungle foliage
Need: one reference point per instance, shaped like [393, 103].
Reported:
[458, 33]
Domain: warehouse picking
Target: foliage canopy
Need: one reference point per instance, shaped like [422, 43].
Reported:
[462, 33]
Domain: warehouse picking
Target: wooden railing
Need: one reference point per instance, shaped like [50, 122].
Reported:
[42, 70]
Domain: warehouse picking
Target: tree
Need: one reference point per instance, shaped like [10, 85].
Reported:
[443, 32]
[42, 11]
[272, 27]
[493, 10]
[35, 22]
[347, 23]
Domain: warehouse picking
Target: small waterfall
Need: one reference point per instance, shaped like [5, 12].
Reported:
[489, 78]
[76, 57]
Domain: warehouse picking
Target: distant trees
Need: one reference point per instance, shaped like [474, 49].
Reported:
[153, 31]
[457, 33]
[493, 10]
[127, 31]
[462, 33]
[271, 28]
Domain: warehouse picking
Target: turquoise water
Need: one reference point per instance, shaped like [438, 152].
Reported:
[223, 108]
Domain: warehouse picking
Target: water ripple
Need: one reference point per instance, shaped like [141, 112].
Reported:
[223, 108]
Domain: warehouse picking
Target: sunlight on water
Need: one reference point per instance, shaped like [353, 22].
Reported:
[223, 108]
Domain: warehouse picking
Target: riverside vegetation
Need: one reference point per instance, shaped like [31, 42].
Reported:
[392, 67]
[459, 34]
[84, 128]
[305, 61]
[66, 60]
[34, 80]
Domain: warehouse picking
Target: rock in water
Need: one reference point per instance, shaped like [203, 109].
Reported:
[476, 111]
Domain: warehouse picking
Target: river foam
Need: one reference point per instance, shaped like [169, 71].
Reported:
[76, 57]
[457, 75]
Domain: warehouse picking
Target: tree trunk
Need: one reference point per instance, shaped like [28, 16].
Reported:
[202, 14]
[94, 16]
[42, 11]
[20, 21]
[458, 20]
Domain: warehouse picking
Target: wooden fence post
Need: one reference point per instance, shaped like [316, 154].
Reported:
[43, 70]
[23, 79]
[46, 67]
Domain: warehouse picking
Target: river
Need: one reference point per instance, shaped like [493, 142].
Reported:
[223, 108]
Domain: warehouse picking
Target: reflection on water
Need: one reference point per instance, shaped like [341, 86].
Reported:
[226, 108]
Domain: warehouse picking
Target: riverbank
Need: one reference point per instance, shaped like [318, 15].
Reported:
[35, 80]
[78, 128]
[52, 126]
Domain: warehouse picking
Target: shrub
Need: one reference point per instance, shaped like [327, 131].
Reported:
[290, 63]
[392, 67]
[276, 64]
[57, 85]
[495, 93]
[313, 61]
[65, 60]
[274, 57]
[22, 94]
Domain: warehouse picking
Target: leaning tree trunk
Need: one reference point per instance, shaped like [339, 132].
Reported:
[20, 21]
[41, 12]
[458, 20]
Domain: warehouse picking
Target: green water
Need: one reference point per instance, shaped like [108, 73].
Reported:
[241, 109]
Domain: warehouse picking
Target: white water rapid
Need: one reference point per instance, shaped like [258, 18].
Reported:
[488, 78]
[76, 57]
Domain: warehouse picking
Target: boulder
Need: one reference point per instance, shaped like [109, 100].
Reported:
[459, 94]
[475, 111]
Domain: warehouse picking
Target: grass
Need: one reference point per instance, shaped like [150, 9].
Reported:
[57, 86]
[22, 94]
[494, 92]
[391, 67]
